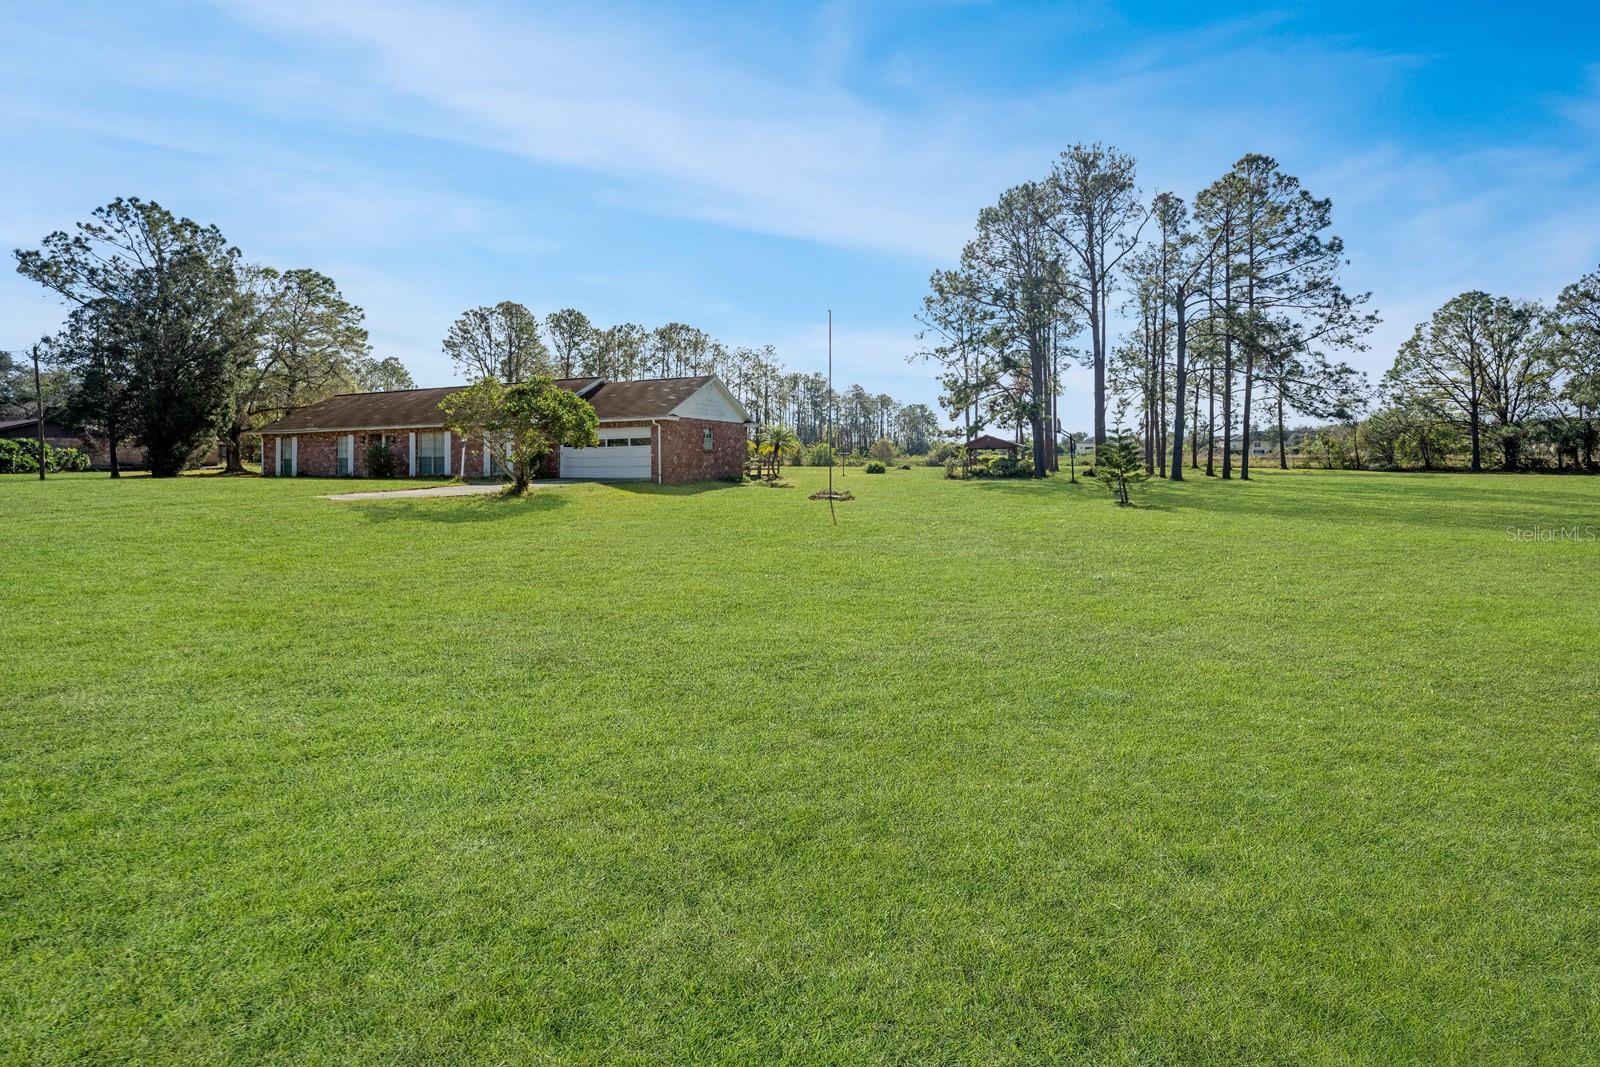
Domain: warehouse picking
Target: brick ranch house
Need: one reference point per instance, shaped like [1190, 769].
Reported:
[665, 430]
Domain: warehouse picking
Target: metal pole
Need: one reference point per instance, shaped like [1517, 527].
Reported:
[832, 446]
[38, 401]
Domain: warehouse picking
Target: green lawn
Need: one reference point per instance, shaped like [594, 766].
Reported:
[1304, 769]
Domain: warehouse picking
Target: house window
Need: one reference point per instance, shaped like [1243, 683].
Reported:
[706, 441]
[286, 457]
[345, 461]
[431, 453]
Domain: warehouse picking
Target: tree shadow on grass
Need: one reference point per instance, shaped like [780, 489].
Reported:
[1012, 486]
[1378, 500]
[688, 489]
[458, 509]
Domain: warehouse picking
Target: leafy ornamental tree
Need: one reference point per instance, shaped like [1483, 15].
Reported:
[1119, 465]
[308, 343]
[500, 342]
[523, 423]
[165, 292]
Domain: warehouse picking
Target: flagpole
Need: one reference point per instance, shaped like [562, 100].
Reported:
[832, 445]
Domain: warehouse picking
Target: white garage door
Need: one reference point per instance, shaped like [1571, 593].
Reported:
[621, 454]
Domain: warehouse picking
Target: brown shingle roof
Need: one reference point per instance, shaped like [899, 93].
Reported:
[408, 408]
[646, 399]
[989, 441]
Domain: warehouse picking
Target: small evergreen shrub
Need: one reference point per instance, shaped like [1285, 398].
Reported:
[875, 467]
[381, 460]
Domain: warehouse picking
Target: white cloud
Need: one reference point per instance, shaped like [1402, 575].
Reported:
[681, 128]
[837, 130]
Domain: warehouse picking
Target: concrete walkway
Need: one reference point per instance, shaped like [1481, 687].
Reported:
[435, 490]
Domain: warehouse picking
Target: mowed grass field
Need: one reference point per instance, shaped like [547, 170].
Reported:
[1304, 769]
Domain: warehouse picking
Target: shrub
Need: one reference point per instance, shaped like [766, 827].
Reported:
[18, 457]
[22, 457]
[875, 467]
[381, 460]
[955, 469]
[905, 466]
[1004, 466]
[819, 455]
[882, 450]
[942, 453]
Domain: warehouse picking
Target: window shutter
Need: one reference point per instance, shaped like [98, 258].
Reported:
[411, 454]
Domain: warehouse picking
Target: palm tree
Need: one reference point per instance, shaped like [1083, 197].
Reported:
[780, 439]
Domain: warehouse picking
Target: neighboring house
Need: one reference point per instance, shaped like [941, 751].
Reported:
[58, 436]
[1294, 443]
[55, 434]
[668, 430]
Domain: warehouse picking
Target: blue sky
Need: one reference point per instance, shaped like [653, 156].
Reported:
[745, 166]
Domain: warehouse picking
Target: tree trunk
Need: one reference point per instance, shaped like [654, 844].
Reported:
[1179, 383]
[235, 450]
[1211, 418]
[1283, 445]
[113, 441]
[1099, 374]
[1194, 433]
[1036, 366]
[1473, 418]
[1227, 362]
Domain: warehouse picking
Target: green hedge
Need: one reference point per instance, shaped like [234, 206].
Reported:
[22, 457]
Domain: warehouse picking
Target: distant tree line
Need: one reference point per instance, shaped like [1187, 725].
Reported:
[507, 342]
[173, 340]
[1236, 304]
[1507, 383]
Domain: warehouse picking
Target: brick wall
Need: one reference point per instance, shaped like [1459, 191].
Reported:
[319, 455]
[680, 456]
[683, 457]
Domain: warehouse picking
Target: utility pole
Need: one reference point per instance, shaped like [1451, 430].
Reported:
[38, 403]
